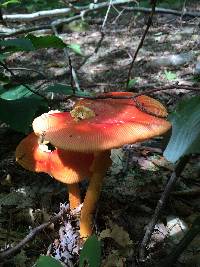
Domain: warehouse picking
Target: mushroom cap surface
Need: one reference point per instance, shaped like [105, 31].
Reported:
[65, 166]
[30, 156]
[111, 123]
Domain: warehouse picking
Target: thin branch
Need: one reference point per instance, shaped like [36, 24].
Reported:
[163, 11]
[61, 11]
[37, 15]
[21, 83]
[9, 252]
[22, 30]
[178, 249]
[106, 16]
[27, 69]
[14, 32]
[162, 201]
[62, 98]
[73, 76]
[149, 23]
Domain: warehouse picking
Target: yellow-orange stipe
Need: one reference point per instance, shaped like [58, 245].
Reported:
[101, 163]
[74, 195]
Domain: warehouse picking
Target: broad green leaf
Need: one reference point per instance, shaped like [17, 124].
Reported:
[5, 4]
[67, 90]
[76, 49]
[47, 261]
[59, 89]
[15, 93]
[49, 41]
[91, 253]
[170, 76]
[185, 138]
[19, 44]
[19, 113]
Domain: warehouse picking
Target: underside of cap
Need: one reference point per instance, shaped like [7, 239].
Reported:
[70, 167]
[65, 166]
[115, 122]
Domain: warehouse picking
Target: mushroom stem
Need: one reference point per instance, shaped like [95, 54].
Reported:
[74, 195]
[100, 164]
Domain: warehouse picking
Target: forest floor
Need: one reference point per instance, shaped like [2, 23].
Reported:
[139, 173]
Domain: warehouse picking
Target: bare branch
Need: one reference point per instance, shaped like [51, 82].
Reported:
[162, 201]
[73, 76]
[163, 11]
[61, 11]
[149, 22]
[37, 15]
[9, 252]
[106, 16]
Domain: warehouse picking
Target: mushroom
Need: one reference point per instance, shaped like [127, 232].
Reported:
[97, 126]
[66, 167]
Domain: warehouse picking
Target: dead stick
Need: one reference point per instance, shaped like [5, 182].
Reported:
[162, 201]
[149, 23]
[9, 252]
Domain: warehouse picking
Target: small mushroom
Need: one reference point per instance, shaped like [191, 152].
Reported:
[66, 167]
[97, 126]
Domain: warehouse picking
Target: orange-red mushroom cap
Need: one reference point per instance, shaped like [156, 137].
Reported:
[30, 156]
[65, 166]
[103, 124]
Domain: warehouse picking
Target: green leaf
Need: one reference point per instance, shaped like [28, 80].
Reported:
[15, 93]
[19, 113]
[170, 76]
[67, 90]
[131, 83]
[75, 48]
[59, 89]
[20, 44]
[5, 4]
[47, 261]
[91, 253]
[185, 138]
[48, 41]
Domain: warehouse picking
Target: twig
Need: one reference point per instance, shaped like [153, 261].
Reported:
[73, 76]
[14, 32]
[19, 82]
[61, 11]
[27, 69]
[162, 201]
[37, 15]
[25, 17]
[6, 253]
[60, 97]
[149, 22]
[106, 16]
[163, 11]
[183, 12]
